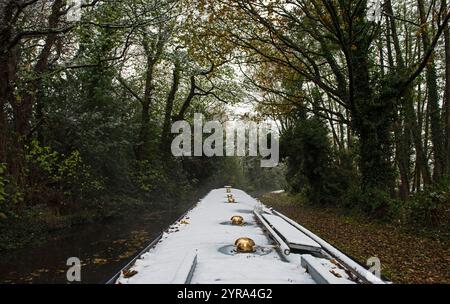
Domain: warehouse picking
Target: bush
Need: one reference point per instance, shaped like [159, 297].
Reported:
[313, 168]
[10, 195]
[430, 207]
[372, 202]
[165, 181]
[148, 176]
[54, 178]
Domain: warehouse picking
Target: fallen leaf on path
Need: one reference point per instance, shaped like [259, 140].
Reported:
[129, 273]
[335, 273]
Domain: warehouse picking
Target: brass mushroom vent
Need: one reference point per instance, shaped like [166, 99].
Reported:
[245, 245]
[237, 220]
[228, 188]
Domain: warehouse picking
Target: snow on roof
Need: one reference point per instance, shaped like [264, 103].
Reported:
[206, 234]
[294, 237]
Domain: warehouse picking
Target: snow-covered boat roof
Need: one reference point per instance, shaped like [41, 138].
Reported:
[200, 249]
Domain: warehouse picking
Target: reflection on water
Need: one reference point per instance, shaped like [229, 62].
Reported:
[102, 248]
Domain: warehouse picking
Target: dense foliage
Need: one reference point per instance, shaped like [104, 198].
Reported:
[371, 81]
[86, 108]
[360, 92]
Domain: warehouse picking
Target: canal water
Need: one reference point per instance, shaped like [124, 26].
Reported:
[103, 249]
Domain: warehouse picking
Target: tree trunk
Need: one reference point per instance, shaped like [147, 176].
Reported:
[4, 95]
[12, 139]
[24, 107]
[144, 146]
[166, 135]
[6, 88]
[402, 157]
[401, 127]
[187, 101]
[371, 117]
[437, 134]
[446, 105]
[376, 169]
[415, 127]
